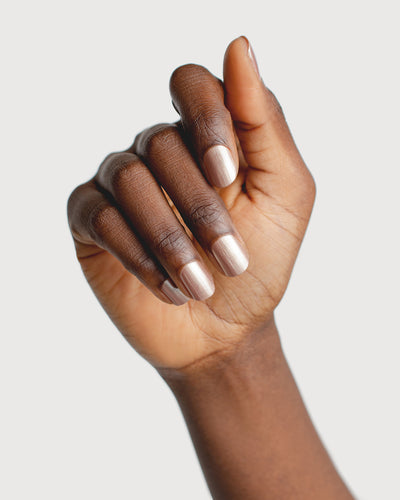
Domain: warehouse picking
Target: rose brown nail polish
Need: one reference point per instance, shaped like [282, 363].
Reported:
[173, 293]
[220, 169]
[197, 280]
[230, 255]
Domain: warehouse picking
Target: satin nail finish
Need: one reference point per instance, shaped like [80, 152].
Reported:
[196, 280]
[230, 255]
[219, 166]
[173, 293]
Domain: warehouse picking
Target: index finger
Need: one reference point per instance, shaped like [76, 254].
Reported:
[198, 96]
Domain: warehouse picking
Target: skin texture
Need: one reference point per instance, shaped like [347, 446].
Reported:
[153, 208]
[270, 212]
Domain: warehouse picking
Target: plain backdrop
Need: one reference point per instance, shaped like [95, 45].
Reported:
[82, 416]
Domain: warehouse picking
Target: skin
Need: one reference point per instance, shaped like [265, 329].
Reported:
[221, 356]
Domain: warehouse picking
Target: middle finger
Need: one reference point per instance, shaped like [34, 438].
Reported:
[165, 153]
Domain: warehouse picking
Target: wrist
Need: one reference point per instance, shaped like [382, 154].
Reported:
[254, 357]
[250, 428]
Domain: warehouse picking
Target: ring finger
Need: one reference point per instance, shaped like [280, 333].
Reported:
[142, 203]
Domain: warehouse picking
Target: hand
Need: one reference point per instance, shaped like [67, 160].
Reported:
[233, 175]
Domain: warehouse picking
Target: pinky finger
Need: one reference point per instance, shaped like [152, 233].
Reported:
[94, 220]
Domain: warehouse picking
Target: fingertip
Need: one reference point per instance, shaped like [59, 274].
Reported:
[231, 254]
[197, 280]
[245, 90]
[173, 294]
[240, 64]
[240, 42]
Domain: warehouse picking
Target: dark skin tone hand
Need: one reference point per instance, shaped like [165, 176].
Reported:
[188, 239]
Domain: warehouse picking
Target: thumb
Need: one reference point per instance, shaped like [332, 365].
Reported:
[264, 136]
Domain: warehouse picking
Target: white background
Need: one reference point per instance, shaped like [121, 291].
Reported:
[82, 416]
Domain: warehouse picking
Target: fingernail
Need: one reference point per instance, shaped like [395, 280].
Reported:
[197, 280]
[252, 56]
[219, 166]
[173, 293]
[230, 255]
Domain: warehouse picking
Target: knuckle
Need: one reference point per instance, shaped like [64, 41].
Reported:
[75, 205]
[124, 170]
[210, 120]
[182, 74]
[170, 241]
[101, 219]
[205, 213]
[72, 201]
[140, 264]
[161, 139]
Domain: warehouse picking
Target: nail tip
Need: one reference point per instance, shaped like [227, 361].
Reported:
[230, 254]
[197, 281]
[238, 270]
[207, 296]
[227, 181]
[173, 293]
[231, 273]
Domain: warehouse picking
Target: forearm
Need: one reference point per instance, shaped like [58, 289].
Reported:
[250, 428]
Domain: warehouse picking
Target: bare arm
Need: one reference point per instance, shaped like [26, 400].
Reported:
[252, 433]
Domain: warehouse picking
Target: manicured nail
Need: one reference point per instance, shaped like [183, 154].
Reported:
[173, 293]
[252, 56]
[197, 281]
[219, 166]
[230, 255]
